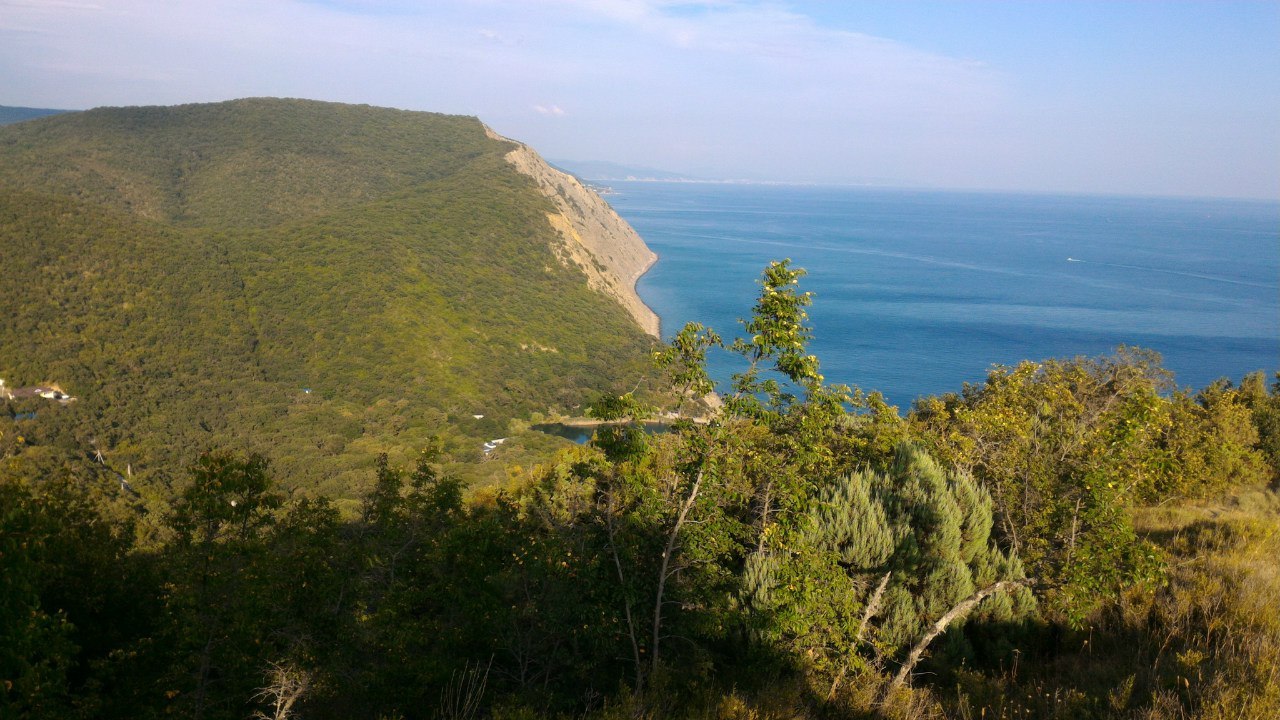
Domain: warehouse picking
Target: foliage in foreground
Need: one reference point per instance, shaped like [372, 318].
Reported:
[806, 553]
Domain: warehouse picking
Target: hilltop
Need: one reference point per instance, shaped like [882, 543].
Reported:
[315, 281]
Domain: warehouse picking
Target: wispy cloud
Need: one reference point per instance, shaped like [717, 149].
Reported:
[686, 83]
[732, 87]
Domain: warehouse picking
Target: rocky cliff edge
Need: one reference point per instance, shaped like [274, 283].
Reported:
[601, 244]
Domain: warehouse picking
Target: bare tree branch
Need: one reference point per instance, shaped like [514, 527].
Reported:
[962, 608]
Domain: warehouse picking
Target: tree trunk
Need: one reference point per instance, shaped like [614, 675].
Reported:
[666, 562]
[626, 597]
[872, 609]
[960, 610]
[766, 505]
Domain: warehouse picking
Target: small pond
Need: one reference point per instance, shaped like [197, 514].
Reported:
[582, 433]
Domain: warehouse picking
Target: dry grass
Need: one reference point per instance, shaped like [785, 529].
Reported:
[1205, 645]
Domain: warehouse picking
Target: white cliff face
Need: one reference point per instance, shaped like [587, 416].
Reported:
[601, 244]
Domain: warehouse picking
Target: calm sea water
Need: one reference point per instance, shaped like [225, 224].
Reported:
[917, 292]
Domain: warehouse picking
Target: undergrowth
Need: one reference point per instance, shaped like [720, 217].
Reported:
[1204, 644]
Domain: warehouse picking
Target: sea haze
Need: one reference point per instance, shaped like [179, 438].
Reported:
[918, 292]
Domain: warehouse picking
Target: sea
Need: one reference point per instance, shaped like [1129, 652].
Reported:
[916, 293]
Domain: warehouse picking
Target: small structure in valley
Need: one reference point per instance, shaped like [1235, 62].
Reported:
[48, 392]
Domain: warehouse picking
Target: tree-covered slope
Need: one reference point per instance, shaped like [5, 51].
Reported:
[249, 162]
[319, 282]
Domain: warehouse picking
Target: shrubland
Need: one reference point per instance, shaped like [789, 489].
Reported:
[1069, 538]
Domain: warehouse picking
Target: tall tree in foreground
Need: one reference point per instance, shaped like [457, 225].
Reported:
[218, 607]
[884, 562]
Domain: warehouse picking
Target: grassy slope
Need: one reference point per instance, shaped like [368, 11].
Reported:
[188, 271]
[1204, 645]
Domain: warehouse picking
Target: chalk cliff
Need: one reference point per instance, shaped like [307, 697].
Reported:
[603, 245]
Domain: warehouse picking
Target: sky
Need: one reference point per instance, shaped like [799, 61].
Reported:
[1138, 98]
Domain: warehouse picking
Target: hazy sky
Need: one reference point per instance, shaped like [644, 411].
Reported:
[1166, 98]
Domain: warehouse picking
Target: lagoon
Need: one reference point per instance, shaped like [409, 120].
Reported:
[581, 434]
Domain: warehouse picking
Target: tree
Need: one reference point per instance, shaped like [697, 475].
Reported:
[880, 558]
[1064, 447]
[1212, 442]
[36, 650]
[76, 601]
[1266, 417]
[218, 603]
[697, 525]
[672, 518]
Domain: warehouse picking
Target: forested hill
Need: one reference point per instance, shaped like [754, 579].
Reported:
[318, 282]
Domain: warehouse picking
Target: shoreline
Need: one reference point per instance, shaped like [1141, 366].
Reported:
[635, 288]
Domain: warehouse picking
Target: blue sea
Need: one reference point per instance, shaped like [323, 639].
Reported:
[918, 292]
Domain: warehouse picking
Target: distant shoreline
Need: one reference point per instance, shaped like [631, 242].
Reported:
[906, 187]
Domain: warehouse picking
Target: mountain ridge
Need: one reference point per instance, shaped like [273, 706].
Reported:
[321, 282]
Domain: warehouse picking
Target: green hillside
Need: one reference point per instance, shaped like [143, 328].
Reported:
[1067, 539]
[317, 282]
